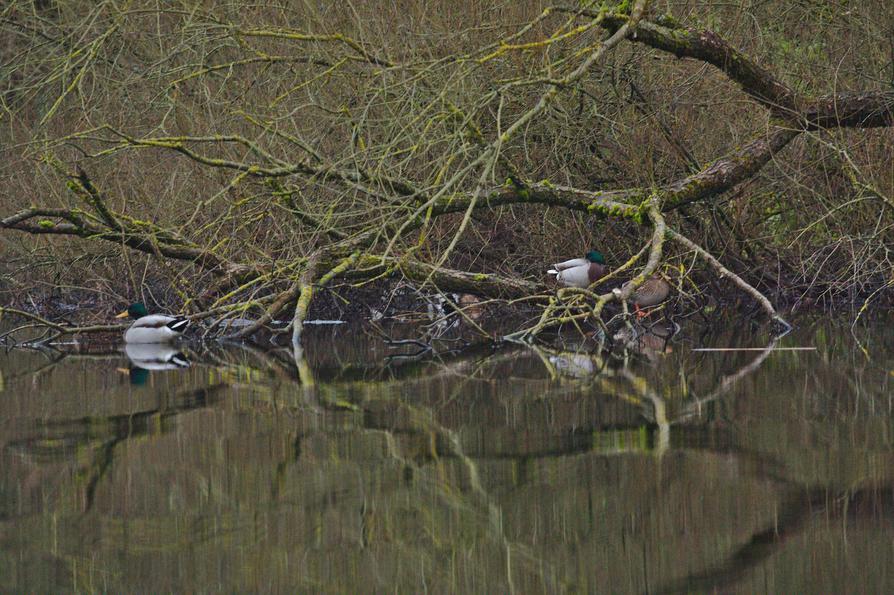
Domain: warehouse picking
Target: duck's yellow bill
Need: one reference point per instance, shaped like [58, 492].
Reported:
[122, 315]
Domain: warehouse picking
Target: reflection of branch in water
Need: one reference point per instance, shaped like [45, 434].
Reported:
[61, 439]
[56, 356]
[586, 363]
[659, 410]
[263, 361]
[693, 408]
[53, 361]
[305, 374]
[594, 367]
[797, 511]
[422, 349]
[282, 362]
[426, 423]
[652, 406]
[801, 503]
[97, 470]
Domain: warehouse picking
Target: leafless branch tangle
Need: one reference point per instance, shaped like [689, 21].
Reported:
[277, 149]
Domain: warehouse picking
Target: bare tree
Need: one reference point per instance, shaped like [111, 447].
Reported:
[279, 149]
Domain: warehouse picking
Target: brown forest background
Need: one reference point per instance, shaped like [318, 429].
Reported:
[152, 106]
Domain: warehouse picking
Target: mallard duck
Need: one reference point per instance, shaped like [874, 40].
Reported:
[470, 305]
[580, 272]
[152, 328]
[652, 292]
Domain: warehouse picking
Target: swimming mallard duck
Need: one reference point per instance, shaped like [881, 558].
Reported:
[152, 328]
[580, 272]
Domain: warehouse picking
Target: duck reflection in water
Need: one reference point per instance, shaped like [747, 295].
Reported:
[146, 357]
[578, 365]
[652, 341]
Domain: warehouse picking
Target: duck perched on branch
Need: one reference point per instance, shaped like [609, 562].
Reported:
[152, 328]
[580, 272]
[652, 292]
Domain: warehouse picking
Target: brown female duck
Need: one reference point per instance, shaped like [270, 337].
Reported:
[652, 292]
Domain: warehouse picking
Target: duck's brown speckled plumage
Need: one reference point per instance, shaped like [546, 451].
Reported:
[651, 293]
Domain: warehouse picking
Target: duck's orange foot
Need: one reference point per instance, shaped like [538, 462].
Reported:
[640, 313]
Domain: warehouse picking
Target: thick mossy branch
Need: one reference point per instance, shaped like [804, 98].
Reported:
[659, 230]
[307, 282]
[95, 200]
[717, 177]
[282, 301]
[728, 171]
[38, 221]
[851, 110]
[708, 46]
[613, 203]
[859, 110]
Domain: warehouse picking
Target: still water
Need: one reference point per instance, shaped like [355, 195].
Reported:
[654, 469]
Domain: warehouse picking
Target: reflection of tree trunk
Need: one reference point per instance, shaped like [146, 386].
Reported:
[69, 436]
[468, 492]
[694, 407]
[796, 514]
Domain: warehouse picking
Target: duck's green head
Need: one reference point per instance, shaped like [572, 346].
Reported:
[137, 310]
[595, 256]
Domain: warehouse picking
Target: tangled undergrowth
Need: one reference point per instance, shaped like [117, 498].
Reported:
[257, 163]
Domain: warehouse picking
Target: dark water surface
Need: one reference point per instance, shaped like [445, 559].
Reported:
[661, 469]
